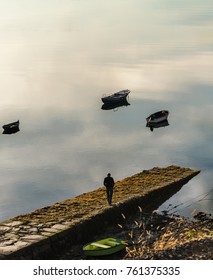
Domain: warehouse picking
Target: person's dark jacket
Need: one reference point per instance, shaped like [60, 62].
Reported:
[109, 182]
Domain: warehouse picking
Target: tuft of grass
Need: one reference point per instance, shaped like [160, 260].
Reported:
[146, 235]
[180, 232]
[124, 217]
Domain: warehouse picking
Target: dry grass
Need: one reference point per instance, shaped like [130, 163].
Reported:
[150, 236]
[179, 232]
[88, 204]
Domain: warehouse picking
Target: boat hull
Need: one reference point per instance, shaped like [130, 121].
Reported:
[11, 128]
[158, 117]
[116, 97]
[104, 247]
[10, 125]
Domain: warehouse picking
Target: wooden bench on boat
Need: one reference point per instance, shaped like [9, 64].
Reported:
[100, 245]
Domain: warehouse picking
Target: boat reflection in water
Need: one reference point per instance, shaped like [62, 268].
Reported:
[157, 125]
[11, 128]
[115, 106]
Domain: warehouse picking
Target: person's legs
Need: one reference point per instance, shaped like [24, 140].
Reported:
[110, 195]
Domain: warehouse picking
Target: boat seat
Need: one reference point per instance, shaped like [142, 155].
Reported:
[100, 245]
[112, 243]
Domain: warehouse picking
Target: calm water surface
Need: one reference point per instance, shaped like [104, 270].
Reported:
[57, 60]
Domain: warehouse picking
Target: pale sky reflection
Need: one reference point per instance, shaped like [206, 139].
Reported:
[58, 59]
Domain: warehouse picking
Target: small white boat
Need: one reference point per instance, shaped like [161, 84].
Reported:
[157, 117]
[116, 97]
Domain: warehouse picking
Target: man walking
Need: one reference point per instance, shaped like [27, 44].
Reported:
[109, 184]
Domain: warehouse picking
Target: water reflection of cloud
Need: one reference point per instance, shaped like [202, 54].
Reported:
[56, 62]
[197, 196]
[71, 150]
[62, 72]
[188, 12]
[165, 79]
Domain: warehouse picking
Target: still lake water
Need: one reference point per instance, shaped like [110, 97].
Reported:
[57, 60]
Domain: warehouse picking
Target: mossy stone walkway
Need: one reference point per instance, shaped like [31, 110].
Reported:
[34, 234]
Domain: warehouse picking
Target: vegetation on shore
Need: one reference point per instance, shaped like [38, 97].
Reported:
[156, 236]
[169, 237]
[89, 215]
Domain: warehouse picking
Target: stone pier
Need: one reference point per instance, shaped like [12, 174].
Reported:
[41, 233]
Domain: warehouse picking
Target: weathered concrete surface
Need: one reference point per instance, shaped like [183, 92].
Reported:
[39, 234]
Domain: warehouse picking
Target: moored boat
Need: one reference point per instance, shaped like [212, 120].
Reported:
[157, 117]
[104, 247]
[116, 97]
[11, 128]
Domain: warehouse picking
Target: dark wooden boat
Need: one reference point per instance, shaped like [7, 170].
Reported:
[157, 117]
[116, 97]
[11, 128]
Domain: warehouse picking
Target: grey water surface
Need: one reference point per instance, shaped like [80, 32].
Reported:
[58, 58]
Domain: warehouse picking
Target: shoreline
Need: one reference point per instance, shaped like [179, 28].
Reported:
[153, 236]
[41, 233]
